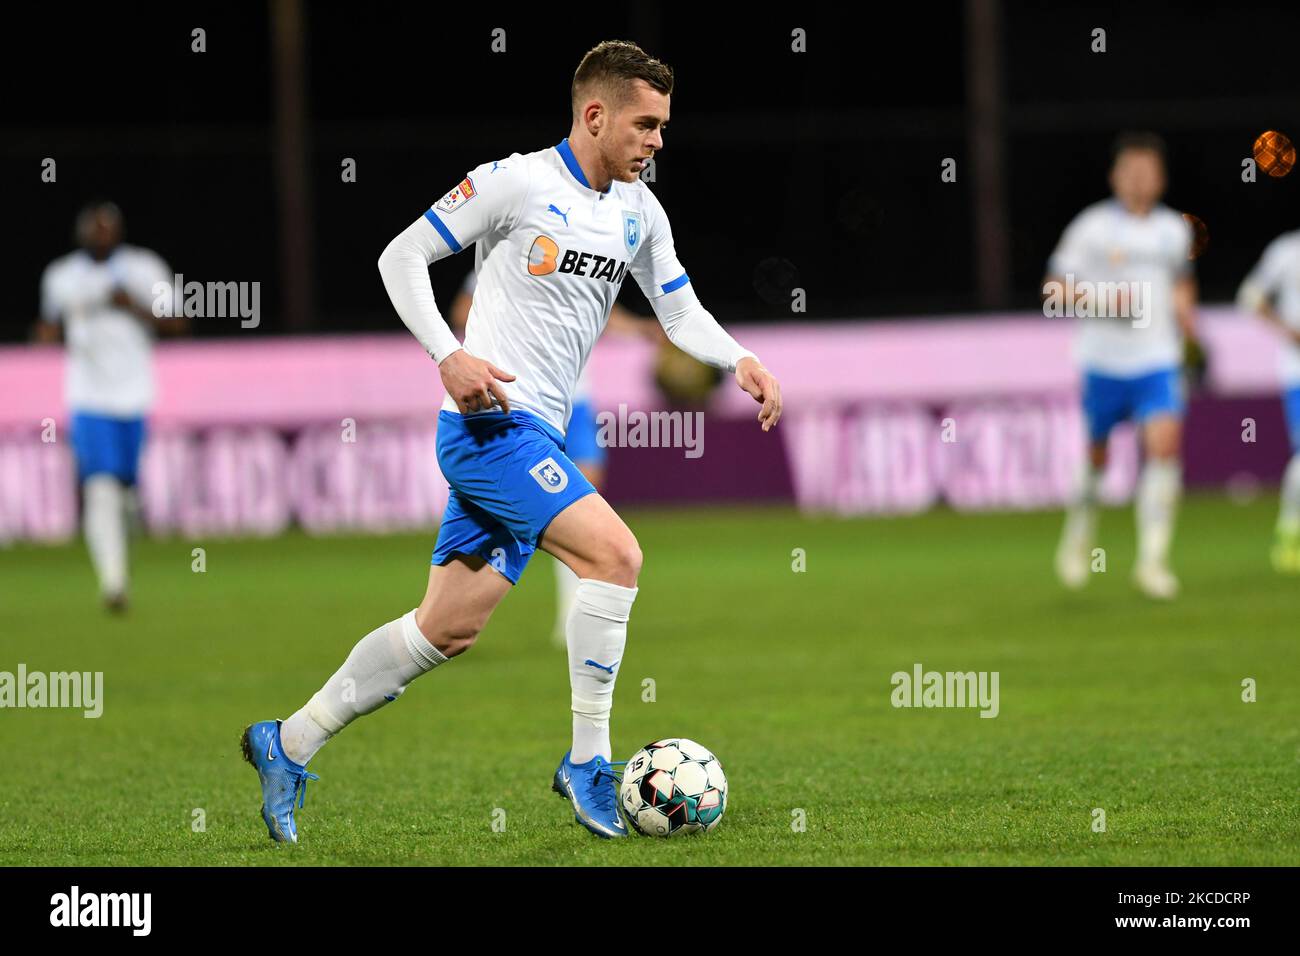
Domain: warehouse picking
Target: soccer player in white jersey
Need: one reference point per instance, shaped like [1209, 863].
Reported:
[100, 300]
[557, 230]
[580, 440]
[1129, 255]
[1272, 289]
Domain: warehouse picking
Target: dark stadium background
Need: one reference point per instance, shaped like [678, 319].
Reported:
[828, 161]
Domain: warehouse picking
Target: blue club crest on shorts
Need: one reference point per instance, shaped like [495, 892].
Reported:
[631, 230]
[550, 475]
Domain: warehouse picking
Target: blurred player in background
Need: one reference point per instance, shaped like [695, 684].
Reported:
[556, 231]
[580, 442]
[1131, 351]
[100, 299]
[1272, 289]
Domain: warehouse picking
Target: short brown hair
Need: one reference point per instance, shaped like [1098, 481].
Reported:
[608, 70]
[1150, 142]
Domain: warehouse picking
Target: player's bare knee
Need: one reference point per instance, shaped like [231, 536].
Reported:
[451, 636]
[456, 637]
[623, 562]
[1163, 446]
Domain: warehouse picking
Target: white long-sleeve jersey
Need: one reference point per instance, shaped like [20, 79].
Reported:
[1107, 243]
[581, 391]
[551, 254]
[110, 351]
[1277, 276]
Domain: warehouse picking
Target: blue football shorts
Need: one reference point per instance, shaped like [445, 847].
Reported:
[1291, 405]
[580, 441]
[1108, 400]
[509, 478]
[107, 445]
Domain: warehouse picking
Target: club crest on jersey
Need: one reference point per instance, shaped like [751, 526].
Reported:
[631, 231]
[460, 194]
[550, 475]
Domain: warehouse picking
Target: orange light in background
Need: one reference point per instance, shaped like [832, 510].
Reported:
[1274, 153]
[1200, 235]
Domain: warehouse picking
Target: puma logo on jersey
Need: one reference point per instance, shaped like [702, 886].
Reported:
[563, 215]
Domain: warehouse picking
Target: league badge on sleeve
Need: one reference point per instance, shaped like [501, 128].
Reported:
[460, 194]
[631, 231]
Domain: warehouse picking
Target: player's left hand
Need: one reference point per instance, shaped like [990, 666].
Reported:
[763, 387]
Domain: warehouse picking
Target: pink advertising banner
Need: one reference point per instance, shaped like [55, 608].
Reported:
[335, 433]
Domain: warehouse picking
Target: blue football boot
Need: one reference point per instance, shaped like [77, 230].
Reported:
[283, 781]
[592, 788]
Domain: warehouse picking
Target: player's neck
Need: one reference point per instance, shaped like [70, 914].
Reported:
[1141, 211]
[588, 159]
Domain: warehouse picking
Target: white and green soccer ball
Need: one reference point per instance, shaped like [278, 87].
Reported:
[673, 786]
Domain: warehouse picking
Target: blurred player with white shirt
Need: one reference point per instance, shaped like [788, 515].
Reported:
[100, 300]
[1272, 289]
[1130, 349]
[556, 231]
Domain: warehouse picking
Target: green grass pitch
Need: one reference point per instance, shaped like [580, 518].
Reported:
[1107, 700]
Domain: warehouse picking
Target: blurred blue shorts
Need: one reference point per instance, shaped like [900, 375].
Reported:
[1107, 400]
[580, 443]
[1291, 405]
[107, 445]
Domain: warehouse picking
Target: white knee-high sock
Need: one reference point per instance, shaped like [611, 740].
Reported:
[566, 587]
[1081, 513]
[1288, 518]
[376, 672]
[105, 529]
[1157, 502]
[597, 636]
[132, 511]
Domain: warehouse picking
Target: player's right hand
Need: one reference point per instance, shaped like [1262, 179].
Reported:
[472, 382]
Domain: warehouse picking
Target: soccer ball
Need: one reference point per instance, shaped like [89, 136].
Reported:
[673, 786]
